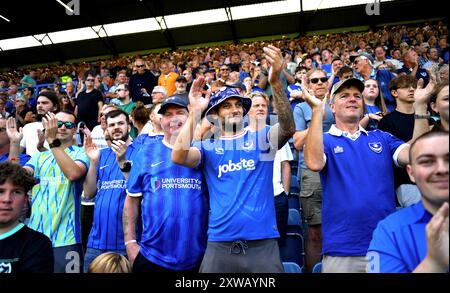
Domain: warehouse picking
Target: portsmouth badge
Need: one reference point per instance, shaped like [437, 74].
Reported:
[376, 147]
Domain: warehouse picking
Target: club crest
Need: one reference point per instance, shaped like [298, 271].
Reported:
[376, 147]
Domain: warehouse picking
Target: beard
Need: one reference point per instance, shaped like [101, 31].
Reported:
[124, 137]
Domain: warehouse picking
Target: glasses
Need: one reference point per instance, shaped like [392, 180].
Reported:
[119, 90]
[139, 66]
[224, 69]
[67, 124]
[316, 80]
[90, 79]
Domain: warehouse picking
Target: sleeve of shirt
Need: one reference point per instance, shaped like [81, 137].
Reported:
[395, 146]
[81, 157]
[23, 159]
[134, 182]
[33, 164]
[299, 118]
[383, 255]
[286, 153]
[199, 145]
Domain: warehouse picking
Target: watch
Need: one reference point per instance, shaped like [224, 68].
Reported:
[55, 143]
[126, 167]
[425, 116]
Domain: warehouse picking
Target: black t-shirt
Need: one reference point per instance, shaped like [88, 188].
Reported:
[401, 126]
[26, 251]
[88, 107]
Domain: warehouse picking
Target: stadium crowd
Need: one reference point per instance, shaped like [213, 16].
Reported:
[183, 160]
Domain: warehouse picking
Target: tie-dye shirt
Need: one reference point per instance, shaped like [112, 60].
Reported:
[56, 200]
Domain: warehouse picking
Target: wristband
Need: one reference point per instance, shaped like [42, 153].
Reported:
[130, 241]
[426, 116]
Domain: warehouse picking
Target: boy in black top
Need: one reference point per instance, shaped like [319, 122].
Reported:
[22, 250]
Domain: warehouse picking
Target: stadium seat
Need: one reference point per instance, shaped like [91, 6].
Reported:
[291, 268]
[294, 250]
[295, 188]
[294, 201]
[317, 269]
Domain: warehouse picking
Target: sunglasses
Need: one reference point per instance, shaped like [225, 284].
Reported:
[316, 80]
[119, 90]
[224, 69]
[139, 66]
[67, 124]
[90, 79]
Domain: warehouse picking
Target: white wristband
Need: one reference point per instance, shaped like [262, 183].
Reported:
[130, 241]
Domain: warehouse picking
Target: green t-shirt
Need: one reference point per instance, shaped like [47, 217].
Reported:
[128, 108]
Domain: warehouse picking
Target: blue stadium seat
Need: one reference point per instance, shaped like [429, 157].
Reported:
[294, 201]
[317, 269]
[291, 268]
[294, 250]
[295, 187]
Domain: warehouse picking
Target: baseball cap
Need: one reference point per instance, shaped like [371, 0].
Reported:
[347, 83]
[173, 100]
[363, 55]
[210, 70]
[224, 94]
[181, 78]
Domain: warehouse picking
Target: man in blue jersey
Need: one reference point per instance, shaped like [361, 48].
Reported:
[106, 179]
[238, 167]
[356, 174]
[56, 199]
[173, 199]
[415, 239]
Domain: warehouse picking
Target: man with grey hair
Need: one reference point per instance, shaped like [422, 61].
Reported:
[356, 174]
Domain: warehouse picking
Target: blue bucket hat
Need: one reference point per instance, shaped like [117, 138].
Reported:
[226, 93]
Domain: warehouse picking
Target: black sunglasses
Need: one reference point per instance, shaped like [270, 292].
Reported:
[90, 79]
[316, 80]
[67, 124]
[140, 65]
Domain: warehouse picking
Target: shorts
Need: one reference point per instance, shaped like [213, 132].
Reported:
[311, 197]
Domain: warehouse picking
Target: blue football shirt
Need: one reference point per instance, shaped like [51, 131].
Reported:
[358, 188]
[107, 230]
[239, 172]
[174, 208]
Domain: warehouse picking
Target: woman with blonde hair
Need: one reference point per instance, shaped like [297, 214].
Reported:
[375, 106]
[110, 262]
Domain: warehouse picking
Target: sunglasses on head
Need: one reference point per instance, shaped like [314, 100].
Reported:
[67, 124]
[316, 80]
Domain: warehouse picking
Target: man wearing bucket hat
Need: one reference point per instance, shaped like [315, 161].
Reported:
[238, 167]
[356, 174]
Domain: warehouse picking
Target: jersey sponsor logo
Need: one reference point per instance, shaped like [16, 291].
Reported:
[338, 150]
[376, 147]
[175, 183]
[248, 165]
[155, 183]
[156, 164]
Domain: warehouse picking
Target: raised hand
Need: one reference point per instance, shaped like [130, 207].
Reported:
[438, 238]
[196, 99]
[119, 147]
[276, 61]
[421, 94]
[91, 149]
[15, 135]
[50, 123]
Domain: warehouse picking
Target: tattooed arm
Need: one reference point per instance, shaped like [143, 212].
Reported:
[285, 128]
[129, 219]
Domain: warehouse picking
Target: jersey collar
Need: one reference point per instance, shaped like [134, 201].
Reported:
[337, 132]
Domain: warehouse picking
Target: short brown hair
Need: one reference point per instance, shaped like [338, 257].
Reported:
[402, 81]
[16, 175]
